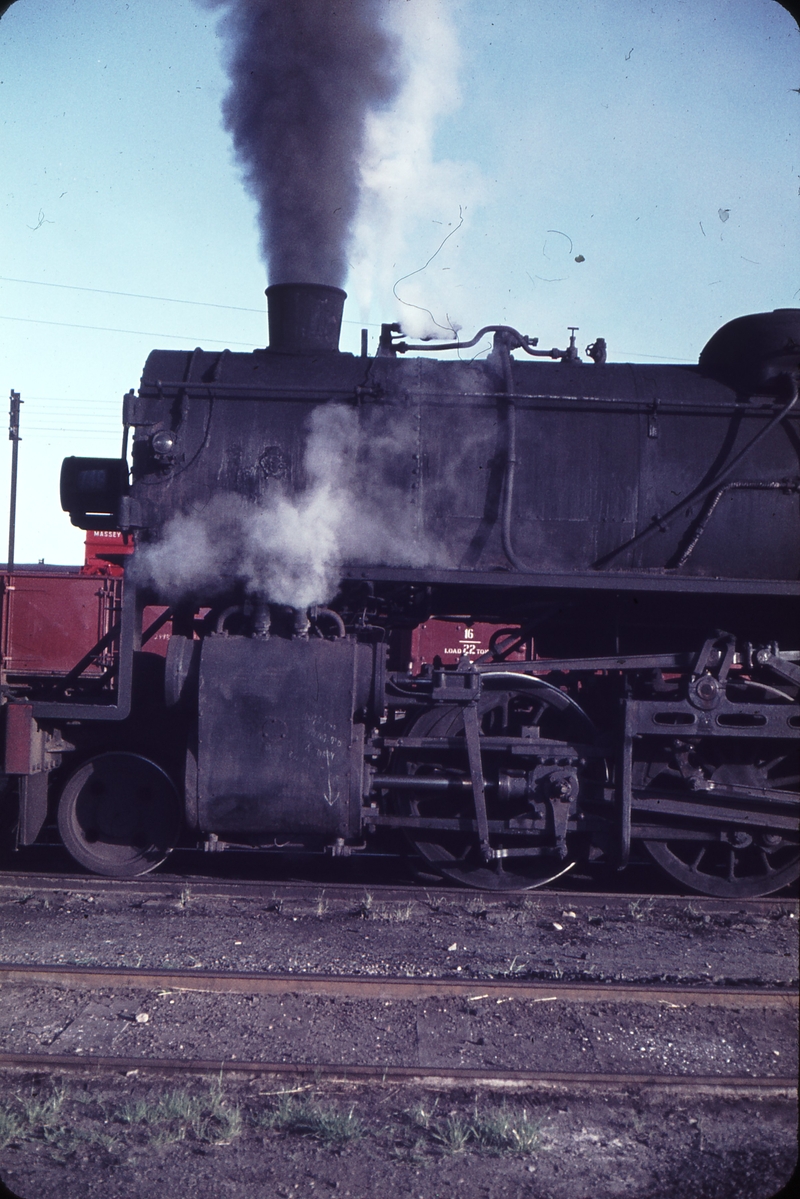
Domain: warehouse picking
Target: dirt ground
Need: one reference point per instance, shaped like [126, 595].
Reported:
[143, 1138]
[140, 1136]
[618, 938]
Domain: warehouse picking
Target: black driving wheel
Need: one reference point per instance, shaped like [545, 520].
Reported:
[455, 855]
[743, 868]
[119, 815]
[742, 861]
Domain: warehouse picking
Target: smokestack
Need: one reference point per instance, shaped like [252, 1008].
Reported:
[304, 318]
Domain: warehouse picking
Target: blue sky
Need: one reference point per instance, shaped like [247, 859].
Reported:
[658, 142]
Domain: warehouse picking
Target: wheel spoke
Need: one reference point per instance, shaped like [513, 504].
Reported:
[453, 855]
[749, 861]
[731, 864]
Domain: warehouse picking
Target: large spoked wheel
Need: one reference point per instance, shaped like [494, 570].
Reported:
[730, 871]
[744, 862]
[454, 855]
[119, 815]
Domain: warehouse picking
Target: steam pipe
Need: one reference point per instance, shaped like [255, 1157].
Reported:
[506, 339]
[790, 486]
[503, 349]
[522, 342]
[317, 610]
[661, 523]
[508, 490]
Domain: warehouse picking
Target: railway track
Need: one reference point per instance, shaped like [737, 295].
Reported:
[325, 1002]
[176, 886]
[496, 1079]
[232, 982]
[377, 1023]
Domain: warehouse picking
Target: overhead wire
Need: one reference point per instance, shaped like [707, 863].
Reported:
[135, 332]
[131, 295]
[135, 295]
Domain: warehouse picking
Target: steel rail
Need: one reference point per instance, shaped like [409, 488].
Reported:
[172, 886]
[455, 1075]
[382, 987]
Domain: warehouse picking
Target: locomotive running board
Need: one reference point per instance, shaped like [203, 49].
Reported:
[589, 580]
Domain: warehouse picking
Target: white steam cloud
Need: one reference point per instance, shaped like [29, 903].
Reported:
[289, 548]
[407, 195]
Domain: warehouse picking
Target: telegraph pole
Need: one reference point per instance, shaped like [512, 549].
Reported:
[13, 437]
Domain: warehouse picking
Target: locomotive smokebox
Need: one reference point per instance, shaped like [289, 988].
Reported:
[304, 318]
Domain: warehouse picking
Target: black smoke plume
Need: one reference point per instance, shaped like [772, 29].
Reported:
[304, 76]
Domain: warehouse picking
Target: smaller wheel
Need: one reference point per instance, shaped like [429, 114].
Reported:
[119, 815]
[742, 868]
[746, 861]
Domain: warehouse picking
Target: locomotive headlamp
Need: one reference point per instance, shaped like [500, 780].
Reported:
[163, 442]
[91, 491]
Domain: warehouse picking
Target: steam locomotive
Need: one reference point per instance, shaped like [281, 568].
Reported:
[513, 614]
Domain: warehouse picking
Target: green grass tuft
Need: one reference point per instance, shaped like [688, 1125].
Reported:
[453, 1134]
[43, 1113]
[327, 1123]
[505, 1131]
[207, 1117]
[421, 1113]
[10, 1126]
